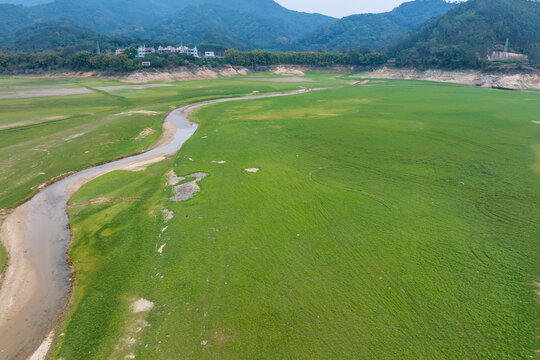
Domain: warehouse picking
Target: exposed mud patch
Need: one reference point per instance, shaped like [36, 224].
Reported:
[184, 74]
[58, 91]
[41, 352]
[289, 79]
[74, 136]
[144, 133]
[252, 170]
[282, 70]
[187, 190]
[133, 326]
[225, 335]
[172, 179]
[33, 122]
[141, 305]
[104, 200]
[167, 215]
[219, 162]
[517, 81]
[160, 250]
[231, 71]
[137, 112]
[536, 122]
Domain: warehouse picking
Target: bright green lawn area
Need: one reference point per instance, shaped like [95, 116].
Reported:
[43, 137]
[385, 223]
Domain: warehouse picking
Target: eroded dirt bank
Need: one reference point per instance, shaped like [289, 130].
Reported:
[515, 81]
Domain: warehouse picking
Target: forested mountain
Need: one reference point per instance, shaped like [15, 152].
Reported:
[374, 30]
[58, 35]
[239, 23]
[13, 18]
[465, 36]
[217, 24]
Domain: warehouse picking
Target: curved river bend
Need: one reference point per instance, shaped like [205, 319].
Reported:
[36, 285]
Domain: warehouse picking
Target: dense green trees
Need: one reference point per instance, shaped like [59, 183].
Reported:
[262, 58]
[465, 36]
[80, 61]
[373, 30]
[12, 62]
[245, 24]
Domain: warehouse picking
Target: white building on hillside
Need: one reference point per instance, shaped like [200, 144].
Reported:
[119, 51]
[168, 49]
[193, 52]
[142, 51]
[209, 54]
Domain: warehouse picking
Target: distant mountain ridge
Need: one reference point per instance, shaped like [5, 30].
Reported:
[374, 30]
[235, 22]
[240, 24]
[59, 34]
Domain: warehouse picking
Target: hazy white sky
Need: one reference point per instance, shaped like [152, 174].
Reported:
[340, 8]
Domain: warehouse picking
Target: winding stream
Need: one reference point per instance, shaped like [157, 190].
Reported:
[37, 282]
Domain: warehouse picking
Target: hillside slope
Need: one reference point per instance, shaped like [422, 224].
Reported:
[58, 35]
[374, 30]
[237, 23]
[465, 36]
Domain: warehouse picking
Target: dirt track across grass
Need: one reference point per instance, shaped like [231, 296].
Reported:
[72, 91]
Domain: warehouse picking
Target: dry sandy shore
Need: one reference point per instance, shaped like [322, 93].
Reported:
[518, 81]
[281, 79]
[59, 91]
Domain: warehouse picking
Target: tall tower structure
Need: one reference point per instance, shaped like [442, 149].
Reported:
[98, 50]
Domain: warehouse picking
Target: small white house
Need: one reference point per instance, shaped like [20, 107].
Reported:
[142, 51]
[119, 51]
[168, 49]
[193, 52]
[209, 54]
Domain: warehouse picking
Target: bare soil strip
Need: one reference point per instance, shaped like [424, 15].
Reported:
[72, 91]
[281, 79]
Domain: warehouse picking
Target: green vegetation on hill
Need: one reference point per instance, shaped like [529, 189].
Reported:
[35, 62]
[465, 36]
[374, 30]
[235, 23]
[12, 19]
[381, 225]
[263, 58]
[59, 36]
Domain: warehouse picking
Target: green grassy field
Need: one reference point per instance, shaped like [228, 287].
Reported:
[384, 223]
[43, 137]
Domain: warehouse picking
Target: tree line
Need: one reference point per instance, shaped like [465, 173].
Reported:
[359, 57]
[17, 62]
